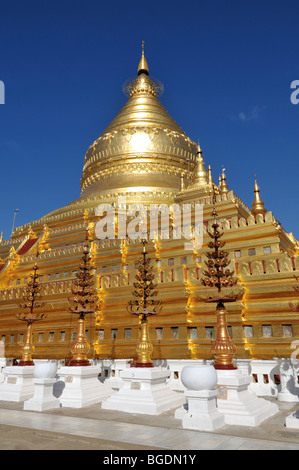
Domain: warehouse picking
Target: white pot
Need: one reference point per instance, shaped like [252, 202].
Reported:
[199, 377]
[45, 369]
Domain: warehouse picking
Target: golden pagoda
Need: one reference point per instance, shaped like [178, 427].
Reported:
[144, 157]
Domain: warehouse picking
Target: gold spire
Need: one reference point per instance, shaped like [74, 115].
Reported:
[257, 205]
[223, 185]
[200, 176]
[143, 67]
[210, 177]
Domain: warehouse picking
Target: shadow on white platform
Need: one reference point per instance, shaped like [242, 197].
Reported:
[238, 405]
[144, 391]
[80, 386]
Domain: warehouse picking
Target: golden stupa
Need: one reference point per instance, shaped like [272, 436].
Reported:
[141, 155]
[144, 156]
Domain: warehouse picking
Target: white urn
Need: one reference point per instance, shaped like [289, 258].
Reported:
[199, 377]
[45, 369]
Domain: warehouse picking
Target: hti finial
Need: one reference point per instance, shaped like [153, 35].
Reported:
[143, 67]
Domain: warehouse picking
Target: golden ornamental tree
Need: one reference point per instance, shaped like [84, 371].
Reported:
[83, 302]
[32, 300]
[219, 276]
[144, 305]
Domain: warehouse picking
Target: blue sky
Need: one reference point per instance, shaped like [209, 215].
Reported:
[226, 66]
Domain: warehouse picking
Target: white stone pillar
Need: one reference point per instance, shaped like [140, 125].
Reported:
[43, 398]
[202, 413]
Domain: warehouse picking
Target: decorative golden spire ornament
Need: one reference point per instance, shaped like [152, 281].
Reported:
[144, 306]
[223, 185]
[82, 303]
[143, 67]
[218, 276]
[32, 298]
[257, 205]
[200, 177]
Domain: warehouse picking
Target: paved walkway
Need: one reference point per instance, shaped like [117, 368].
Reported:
[161, 432]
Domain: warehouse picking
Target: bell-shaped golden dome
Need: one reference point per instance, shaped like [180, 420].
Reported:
[142, 153]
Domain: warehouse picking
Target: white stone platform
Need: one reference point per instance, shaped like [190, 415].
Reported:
[292, 421]
[239, 405]
[43, 398]
[144, 391]
[201, 412]
[18, 383]
[81, 386]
